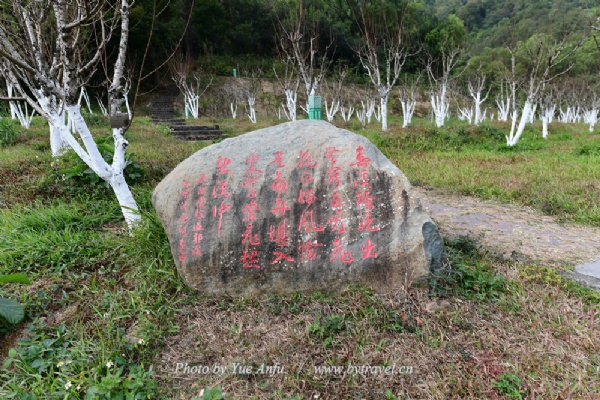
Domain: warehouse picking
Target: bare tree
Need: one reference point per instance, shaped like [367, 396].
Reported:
[190, 81]
[476, 87]
[542, 56]
[49, 49]
[383, 49]
[333, 90]
[409, 94]
[439, 82]
[251, 88]
[289, 82]
[298, 42]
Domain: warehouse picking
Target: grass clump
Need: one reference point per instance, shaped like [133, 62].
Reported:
[10, 130]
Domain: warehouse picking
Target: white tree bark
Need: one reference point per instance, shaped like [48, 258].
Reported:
[47, 60]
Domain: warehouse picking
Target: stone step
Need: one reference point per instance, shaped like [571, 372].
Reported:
[187, 128]
[200, 136]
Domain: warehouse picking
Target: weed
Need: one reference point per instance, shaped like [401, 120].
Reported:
[469, 276]
[80, 172]
[215, 393]
[10, 130]
[10, 309]
[508, 385]
[327, 328]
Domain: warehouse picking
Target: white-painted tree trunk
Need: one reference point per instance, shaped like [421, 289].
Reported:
[503, 109]
[291, 97]
[252, 112]
[331, 110]
[525, 117]
[233, 106]
[547, 117]
[347, 112]
[408, 109]
[89, 153]
[590, 117]
[383, 111]
[439, 106]
[361, 115]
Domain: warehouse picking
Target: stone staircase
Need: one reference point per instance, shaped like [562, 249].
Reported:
[162, 111]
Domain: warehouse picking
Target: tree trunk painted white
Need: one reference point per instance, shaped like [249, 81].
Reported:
[252, 112]
[89, 153]
[439, 106]
[383, 111]
[408, 109]
[233, 106]
[525, 117]
[547, 117]
[361, 115]
[83, 95]
[331, 110]
[291, 97]
[347, 112]
[590, 117]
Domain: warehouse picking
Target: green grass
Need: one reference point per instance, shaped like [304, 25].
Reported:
[107, 312]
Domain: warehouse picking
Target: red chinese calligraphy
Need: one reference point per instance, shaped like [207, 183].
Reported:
[249, 238]
[338, 253]
[223, 207]
[279, 184]
[222, 163]
[278, 159]
[361, 160]
[367, 250]
[249, 211]
[307, 222]
[280, 208]
[306, 197]
[279, 234]
[306, 160]
[365, 223]
[220, 189]
[365, 199]
[279, 255]
[335, 221]
[308, 250]
[250, 259]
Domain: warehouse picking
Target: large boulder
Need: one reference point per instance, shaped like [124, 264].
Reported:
[296, 207]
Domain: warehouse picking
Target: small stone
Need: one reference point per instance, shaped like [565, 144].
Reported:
[437, 305]
[301, 206]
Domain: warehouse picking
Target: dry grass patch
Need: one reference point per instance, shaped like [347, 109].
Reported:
[535, 341]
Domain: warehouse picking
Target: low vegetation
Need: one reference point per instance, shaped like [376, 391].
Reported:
[107, 316]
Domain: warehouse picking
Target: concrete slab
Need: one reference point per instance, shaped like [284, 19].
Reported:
[592, 269]
[588, 274]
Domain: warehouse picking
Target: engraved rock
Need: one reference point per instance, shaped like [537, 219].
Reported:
[296, 207]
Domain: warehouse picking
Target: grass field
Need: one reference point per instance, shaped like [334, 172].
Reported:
[108, 316]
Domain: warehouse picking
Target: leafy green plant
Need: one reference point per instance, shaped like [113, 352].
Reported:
[327, 328]
[10, 309]
[9, 132]
[210, 394]
[508, 385]
[133, 172]
[469, 276]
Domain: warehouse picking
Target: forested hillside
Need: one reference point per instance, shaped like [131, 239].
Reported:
[245, 29]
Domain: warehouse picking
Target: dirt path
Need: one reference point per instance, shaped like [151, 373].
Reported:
[513, 232]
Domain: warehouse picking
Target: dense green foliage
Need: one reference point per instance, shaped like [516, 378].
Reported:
[243, 32]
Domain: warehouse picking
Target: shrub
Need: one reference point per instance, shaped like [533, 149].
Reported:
[9, 132]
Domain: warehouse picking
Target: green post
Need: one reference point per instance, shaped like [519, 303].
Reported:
[235, 73]
[314, 108]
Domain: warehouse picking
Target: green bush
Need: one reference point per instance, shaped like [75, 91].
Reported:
[81, 173]
[10, 130]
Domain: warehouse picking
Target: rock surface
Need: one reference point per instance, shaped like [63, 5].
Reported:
[299, 206]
